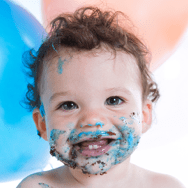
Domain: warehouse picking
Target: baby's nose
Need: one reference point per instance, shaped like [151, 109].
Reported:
[92, 119]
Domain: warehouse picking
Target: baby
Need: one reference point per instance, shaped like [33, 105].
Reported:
[92, 100]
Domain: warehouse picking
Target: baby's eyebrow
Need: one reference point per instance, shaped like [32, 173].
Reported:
[122, 89]
[114, 89]
[55, 95]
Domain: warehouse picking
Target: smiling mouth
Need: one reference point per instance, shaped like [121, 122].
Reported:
[95, 147]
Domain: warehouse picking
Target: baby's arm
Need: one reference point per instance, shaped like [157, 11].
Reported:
[34, 181]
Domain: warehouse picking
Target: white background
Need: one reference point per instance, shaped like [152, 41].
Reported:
[164, 148]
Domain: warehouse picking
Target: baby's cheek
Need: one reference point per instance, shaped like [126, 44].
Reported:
[133, 120]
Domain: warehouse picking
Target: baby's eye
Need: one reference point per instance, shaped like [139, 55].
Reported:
[114, 100]
[69, 105]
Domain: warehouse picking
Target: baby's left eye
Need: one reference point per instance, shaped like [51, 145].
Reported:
[114, 101]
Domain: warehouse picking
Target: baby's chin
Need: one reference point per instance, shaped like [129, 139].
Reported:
[97, 165]
[94, 165]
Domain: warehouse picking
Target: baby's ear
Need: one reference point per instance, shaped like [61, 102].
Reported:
[40, 123]
[147, 115]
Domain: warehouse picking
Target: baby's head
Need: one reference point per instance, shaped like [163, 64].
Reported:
[87, 60]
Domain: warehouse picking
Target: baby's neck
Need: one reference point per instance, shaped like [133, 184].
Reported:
[120, 174]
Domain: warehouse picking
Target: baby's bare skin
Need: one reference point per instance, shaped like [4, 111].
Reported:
[62, 178]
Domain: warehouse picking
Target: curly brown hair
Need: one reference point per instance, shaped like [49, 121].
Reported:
[86, 29]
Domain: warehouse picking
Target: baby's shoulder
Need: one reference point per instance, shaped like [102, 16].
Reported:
[158, 180]
[32, 180]
[149, 179]
[39, 180]
[165, 181]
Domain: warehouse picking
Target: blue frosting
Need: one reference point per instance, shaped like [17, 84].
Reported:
[122, 147]
[43, 185]
[54, 135]
[96, 124]
[60, 65]
[123, 119]
[92, 134]
[90, 125]
[42, 111]
[99, 123]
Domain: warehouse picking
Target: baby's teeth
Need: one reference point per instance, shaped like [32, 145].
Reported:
[90, 147]
[93, 147]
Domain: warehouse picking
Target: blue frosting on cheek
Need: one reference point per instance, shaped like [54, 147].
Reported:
[66, 149]
[126, 144]
[130, 141]
[54, 135]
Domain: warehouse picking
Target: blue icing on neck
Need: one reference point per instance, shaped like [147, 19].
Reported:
[60, 65]
[42, 111]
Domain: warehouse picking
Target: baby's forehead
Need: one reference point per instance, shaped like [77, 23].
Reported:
[70, 67]
[67, 62]
[65, 56]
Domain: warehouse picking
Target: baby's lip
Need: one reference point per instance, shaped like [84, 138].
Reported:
[94, 139]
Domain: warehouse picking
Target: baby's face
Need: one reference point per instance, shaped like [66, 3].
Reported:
[93, 109]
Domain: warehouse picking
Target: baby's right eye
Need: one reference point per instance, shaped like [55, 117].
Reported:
[68, 105]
